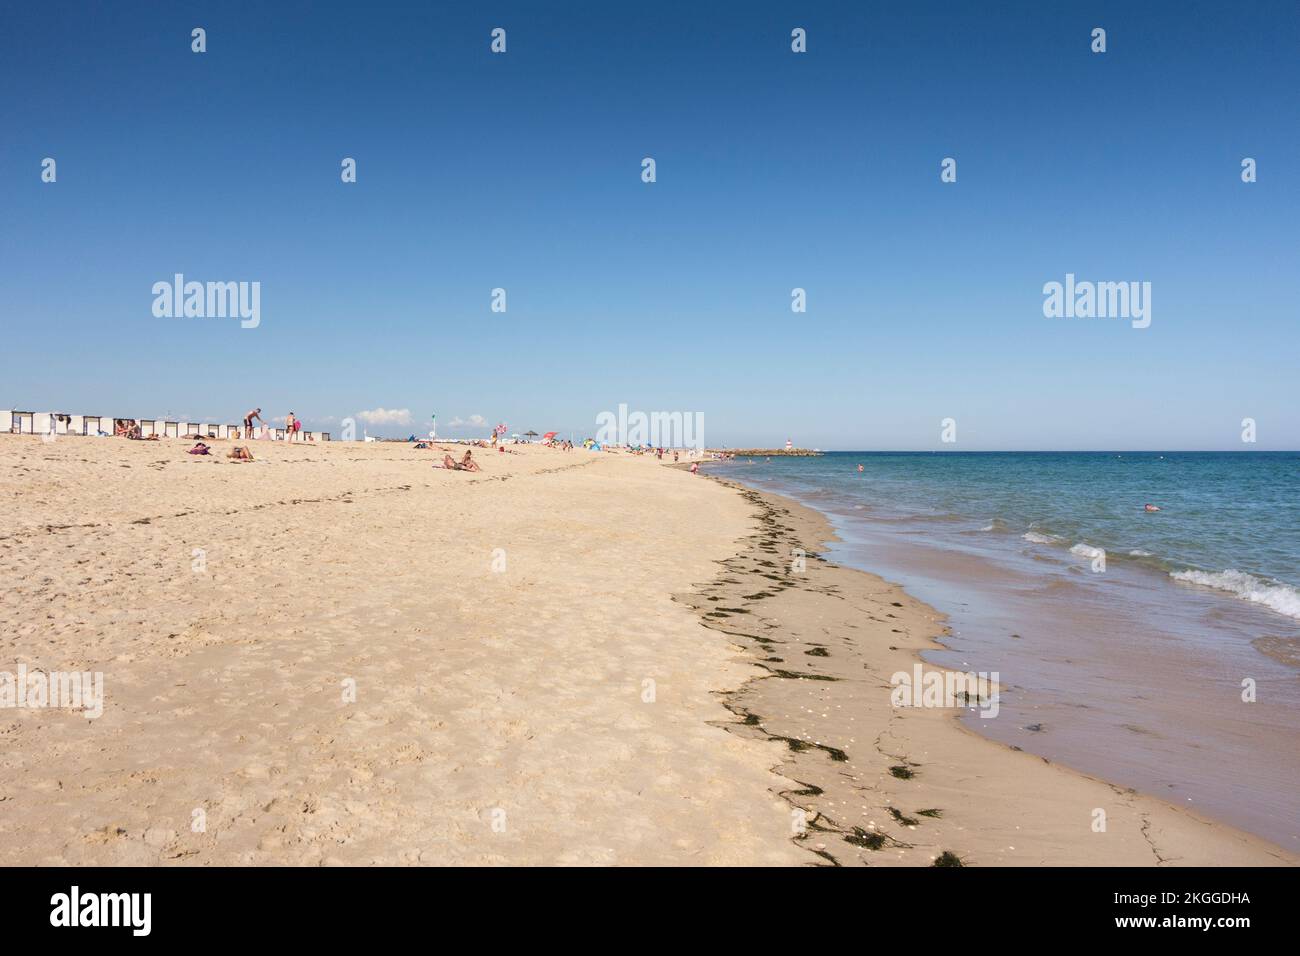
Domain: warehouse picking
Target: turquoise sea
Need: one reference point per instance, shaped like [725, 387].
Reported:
[1228, 520]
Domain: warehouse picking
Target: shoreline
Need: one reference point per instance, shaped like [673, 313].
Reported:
[875, 803]
[566, 707]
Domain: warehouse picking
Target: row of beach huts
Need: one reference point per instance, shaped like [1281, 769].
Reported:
[59, 423]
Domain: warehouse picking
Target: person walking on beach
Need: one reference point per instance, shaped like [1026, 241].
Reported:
[248, 421]
[288, 427]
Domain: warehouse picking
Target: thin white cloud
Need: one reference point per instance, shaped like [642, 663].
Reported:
[478, 421]
[385, 416]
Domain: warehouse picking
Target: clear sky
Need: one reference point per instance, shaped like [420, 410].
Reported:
[775, 170]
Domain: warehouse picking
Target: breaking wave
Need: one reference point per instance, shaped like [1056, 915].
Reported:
[1280, 597]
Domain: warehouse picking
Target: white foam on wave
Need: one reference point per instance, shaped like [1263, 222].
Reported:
[1035, 538]
[1085, 550]
[1139, 553]
[1280, 597]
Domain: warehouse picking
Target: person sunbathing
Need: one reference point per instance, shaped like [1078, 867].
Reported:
[240, 453]
[200, 449]
[449, 463]
[468, 463]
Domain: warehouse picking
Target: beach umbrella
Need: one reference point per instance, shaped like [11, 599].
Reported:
[530, 434]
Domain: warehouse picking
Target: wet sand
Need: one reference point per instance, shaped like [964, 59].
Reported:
[1124, 675]
[879, 785]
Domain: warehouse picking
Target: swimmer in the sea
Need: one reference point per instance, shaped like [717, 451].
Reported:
[1150, 508]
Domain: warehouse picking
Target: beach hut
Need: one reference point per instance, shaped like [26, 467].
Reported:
[6, 420]
[148, 426]
[20, 422]
[324, 436]
[171, 429]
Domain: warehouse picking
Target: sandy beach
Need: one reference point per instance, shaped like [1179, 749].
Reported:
[338, 654]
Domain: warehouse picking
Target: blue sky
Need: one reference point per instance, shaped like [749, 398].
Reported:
[775, 170]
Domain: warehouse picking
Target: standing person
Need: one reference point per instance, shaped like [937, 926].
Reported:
[248, 421]
[288, 427]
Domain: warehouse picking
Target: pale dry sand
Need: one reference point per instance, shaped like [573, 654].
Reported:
[566, 709]
[477, 691]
